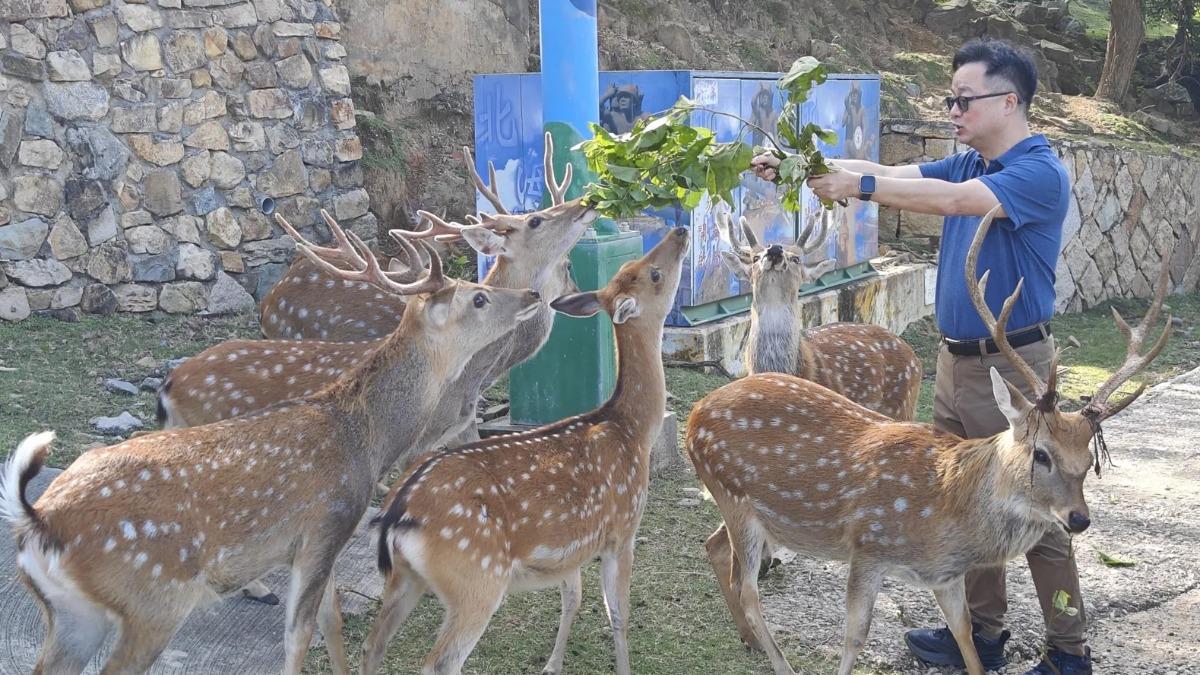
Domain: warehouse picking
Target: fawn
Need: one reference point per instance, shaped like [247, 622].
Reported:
[524, 511]
[791, 462]
[140, 533]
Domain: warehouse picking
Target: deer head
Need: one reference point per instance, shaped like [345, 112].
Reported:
[776, 272]
[1058, 447]
[538, 238]
[641, 292]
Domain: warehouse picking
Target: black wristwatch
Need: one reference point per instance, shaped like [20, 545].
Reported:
[866, 187]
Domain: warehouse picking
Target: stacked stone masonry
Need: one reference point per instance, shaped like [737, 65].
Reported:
[138, 138]
[1126, 207]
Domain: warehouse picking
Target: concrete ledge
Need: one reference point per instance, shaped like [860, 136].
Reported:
[895, 298]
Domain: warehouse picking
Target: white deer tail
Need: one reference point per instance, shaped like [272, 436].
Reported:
[25, 463]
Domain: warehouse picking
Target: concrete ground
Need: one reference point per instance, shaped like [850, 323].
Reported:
[1145, 619]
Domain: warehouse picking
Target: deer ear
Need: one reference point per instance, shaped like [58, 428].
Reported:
[627, 308]
[735, 264]
[1009, 399]
[394, 265]
[437, 307]
[577, 304]
[484, 240]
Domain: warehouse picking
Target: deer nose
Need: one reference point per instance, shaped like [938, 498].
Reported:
[680, 232]
[775, 251]
[535, 294]
[1078, 522]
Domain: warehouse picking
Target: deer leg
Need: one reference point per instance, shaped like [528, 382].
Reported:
[616, 567]
[329, 620]
[572, 595]
[746, 539]
[468, 611]
[306, 588]
[952, 598]
[140, 643]
[402, 592]
[861, 591]
[257, 591]
[724, 565]
[73, 636]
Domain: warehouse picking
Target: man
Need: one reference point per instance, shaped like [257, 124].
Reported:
[992, 86]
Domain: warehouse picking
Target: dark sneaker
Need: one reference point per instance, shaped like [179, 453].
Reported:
[1062, 663]
[936, 646]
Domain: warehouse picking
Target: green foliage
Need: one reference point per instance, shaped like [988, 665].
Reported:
[1062, 603]
[458, 266]
[382, 147]
[663, 160]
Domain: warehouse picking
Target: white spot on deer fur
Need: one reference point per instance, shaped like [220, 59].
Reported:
[109, 544]
[927, 511]
[139, 559]
[900, 505]
[105, 491]
[463, 544]
[128, 530]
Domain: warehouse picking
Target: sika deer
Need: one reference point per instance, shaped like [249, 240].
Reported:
[866, 363]
[304, 305]
[517, 512]
[531, 252]
[791, 462]
[139, 534]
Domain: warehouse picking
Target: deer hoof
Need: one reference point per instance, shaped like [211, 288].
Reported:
[268, 599]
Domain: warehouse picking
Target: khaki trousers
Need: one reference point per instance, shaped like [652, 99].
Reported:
[964, 405]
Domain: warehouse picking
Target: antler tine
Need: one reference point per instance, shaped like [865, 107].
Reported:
[558, 191]
[724, 221]
[439, 229]
[1134, 361]
[488, 189]
[977, 289]
[813, 237]
[343, 253]
[748, 233]
[376, 276]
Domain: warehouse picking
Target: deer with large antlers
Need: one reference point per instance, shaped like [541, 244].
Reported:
[791, 462]
[512, 513]
[136, 535]
[306, 303]
[240, 376]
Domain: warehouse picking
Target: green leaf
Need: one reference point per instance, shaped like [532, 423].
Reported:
[805, 73]
[1110, 561]
[626, 173]
[1062, 603]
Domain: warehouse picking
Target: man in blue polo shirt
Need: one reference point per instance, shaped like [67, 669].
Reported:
[992, 86]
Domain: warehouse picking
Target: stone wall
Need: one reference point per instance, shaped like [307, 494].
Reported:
[137, 138]
[1126, 206]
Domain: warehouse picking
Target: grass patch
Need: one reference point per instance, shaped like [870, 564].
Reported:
[679, 622]
[59, 368]
[382, 146]
[1095, 17]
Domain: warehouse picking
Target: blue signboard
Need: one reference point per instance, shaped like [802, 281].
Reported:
[508, 131]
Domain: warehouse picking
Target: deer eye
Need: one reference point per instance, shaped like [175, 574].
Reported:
[534, 222]
[655, 276]
[795, 258]
[754, 259]
[1041, 457]
[480, 300]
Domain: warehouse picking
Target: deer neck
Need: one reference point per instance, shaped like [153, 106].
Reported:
[774, 338]
[640, 397]
[386, 402]
[982, 492]
[507, 274]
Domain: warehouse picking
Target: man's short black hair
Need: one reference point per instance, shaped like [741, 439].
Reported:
[1003, 60]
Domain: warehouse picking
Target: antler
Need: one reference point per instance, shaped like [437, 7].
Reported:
[366, 268]
[724, 219]
[447, 231]
[558, 191]
[345, 252]
[1098, 407]
[488, 189]
[813, 237]
[977, 290]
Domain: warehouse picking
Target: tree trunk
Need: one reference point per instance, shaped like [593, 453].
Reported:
[1125, 34]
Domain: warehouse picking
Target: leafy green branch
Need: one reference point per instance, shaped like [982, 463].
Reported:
[663, 160]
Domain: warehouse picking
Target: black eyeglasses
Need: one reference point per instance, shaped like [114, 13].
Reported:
[964, 102]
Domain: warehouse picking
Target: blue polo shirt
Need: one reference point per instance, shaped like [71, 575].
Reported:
[1032, 185]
